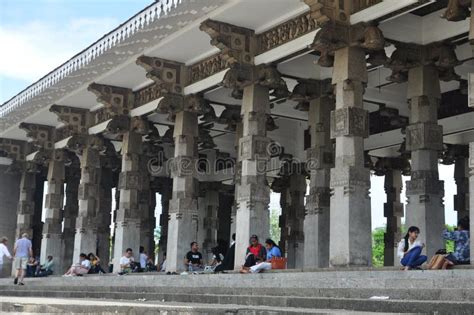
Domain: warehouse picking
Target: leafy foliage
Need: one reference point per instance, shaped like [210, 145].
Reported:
[378, 246]
[275, 232]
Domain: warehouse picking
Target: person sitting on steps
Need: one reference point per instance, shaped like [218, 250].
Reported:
[255, 253]
[95, 264]
[461, 238]
[80, 268]
[193, 259]
[272, 251]
[409, 250]
[127, 262]
[47, 268]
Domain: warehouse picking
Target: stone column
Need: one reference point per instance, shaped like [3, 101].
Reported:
[471, 192]
[283, 219]
[237, 174]
[85, 240]
[211, 223]
[424, 136]
[10, 192]
[393, 211]
[183, 211]
[104, 215]
[127, 224]
[26, 205]
[152, 226]
[295, 221]
[350, 218]
[320, 160]
[147, 214]
[226, 202]
[253, 193]
[52, 229]
[38, 213]
[461, 177]
[71, 210]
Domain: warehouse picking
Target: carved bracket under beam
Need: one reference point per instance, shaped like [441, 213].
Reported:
[77, 120]
[170, 76]
[16, 150]
[42, 136]
[307, 90]
[116, 100]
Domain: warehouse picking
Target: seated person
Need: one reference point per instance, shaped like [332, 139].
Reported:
[143, 259]
[46, 269]
[217, 257]
[31, 267]
[255, 253]
[272, 251]
[162, 266]
[95, 264]
[80, 268]
[193, 259]
[461, 254]
[228, 262]
[150, 265]
[127, 262]
[409, 250]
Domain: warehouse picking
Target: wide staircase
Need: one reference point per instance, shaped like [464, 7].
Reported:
[348, 291]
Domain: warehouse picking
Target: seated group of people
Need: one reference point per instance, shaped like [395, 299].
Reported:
[410, 248]
[35, 269]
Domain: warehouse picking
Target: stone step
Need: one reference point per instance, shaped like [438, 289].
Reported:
[459, 294]
[82, 306]
[357, 304]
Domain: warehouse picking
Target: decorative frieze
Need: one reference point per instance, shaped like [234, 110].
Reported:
[207, 67]
[425, 182]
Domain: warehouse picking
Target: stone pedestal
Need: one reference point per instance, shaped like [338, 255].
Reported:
[393, 211]
[461, 177]
[85, 240]
[127, 224]
[295, 221]
[320, 160]
[52, 229]
[9, 196]
[424, 136]
[350, 216]
[183, 209]
[253, 193]
[71, 210]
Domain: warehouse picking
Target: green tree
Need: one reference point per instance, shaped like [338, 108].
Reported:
[378, 246]
[275, 232]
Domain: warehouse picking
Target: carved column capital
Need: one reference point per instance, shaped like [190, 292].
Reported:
[117, 100]
[407, 56]
[383, 165]
[334, 36]
[77, 120]
[173, 103]
[308, 90]
[170, 76]
[79, 143]
[237, 44]
[42, 136]
[230, 116]
[14, 149]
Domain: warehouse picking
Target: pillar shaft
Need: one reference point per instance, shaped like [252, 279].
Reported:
[471, 193]
[127, 224]
[26, 205]
[183, 209]
[104, 215]
[71, 210]
[85, 240]
[295, 220]
[461, 177]
[147, 214]
[253, 193]
[38, 213]
[166, 193]
[237, 174]
[393, 211]
[425, 191]
[211, 222]
[316, 222]
[350, 216]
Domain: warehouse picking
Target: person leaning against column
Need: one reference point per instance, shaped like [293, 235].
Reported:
[3, 252]
[22, 252]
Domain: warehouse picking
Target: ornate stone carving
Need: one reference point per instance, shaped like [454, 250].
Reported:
[79, 143]
[334, 36]
[207, 67]
[384, 165]
[168, 75]
[14, 149]
[43, 136]
[308, 90]
[237, 44]
[230, 116]
[319, 157]
[424, 182]
[424, 136]
[117, 100]
[350, 177]
[253, 147]
[129, 180]
[174, 103]
[457, 10]
[349, 121]
[77, 120]
[317, 200]
[205, 139]
[406, 56]
[118, 125]
[241, 76]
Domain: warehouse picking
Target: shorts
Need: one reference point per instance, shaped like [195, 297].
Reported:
[20, 263]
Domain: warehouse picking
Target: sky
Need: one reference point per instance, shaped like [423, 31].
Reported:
[39, 35]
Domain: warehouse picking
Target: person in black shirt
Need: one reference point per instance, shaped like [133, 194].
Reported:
[193, 259]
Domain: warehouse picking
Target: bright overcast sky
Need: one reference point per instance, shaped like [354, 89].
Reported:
[39, 35]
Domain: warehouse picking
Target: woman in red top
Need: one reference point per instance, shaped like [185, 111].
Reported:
[256, 252]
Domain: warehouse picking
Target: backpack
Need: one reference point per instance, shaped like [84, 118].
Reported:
[436, 262]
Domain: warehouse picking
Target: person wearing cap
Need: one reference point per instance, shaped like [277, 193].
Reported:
[3, 252]
[255, 253]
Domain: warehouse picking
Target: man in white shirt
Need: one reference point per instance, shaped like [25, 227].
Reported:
[127, 262]
[3, 252]
[22, 251]
[143, 258]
